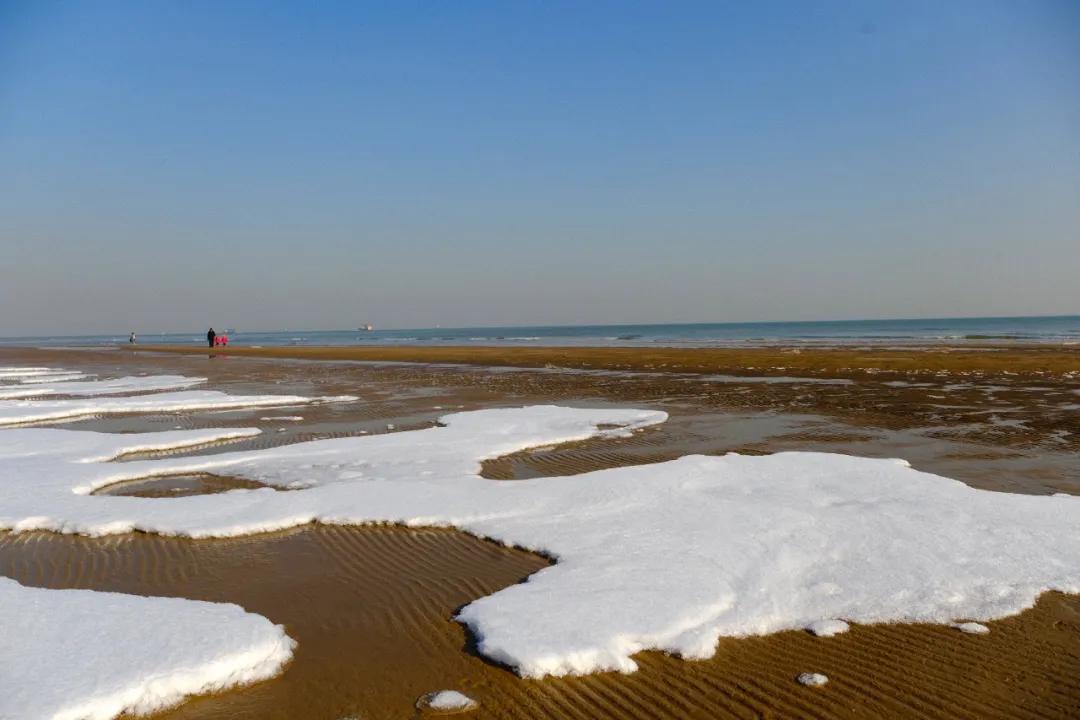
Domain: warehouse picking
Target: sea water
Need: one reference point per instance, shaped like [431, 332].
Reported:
[1063, 329]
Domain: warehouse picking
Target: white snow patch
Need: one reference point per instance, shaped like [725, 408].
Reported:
[17, 373]
[812, 679]
[972, 628]
[112, 386]
[54, 378]
[669, 556]
[772, 379]
[282, 418]
[16, 412]
[448, 700]
[828, 628]
[84, 655]
[334, 399]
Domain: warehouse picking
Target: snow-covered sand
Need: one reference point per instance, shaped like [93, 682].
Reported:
[668, 556]
[51, 378]
[26, 370]
[21, 412]
[19, 373]
[812, 679]
[828, 628]
[448, 701]
[972, 628]
[84, 655]
[113, 386]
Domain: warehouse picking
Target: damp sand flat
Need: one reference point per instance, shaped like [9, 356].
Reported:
[370, 608]
[716, 360]
[999, 404]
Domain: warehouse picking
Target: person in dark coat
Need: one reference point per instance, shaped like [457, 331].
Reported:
[210, 335]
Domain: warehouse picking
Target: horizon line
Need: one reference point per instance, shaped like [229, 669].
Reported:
[577, 325]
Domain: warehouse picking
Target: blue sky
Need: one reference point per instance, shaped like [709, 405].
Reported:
[168, 165]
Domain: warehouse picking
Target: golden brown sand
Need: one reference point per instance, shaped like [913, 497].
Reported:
[372, 607]
[821, 361]
[1017, 396]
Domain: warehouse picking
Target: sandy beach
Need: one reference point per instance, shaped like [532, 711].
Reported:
[540, 361]
[837, 361]
[372, 607]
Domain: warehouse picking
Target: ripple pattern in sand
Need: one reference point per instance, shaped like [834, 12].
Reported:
[371, 608]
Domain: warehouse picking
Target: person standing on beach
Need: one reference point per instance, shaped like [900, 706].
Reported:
[210, 335]
[131, 338]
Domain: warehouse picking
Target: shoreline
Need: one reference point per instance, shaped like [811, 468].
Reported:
[822, 362]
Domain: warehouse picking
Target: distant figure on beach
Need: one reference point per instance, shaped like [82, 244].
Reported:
[131, 338]
[210, 335]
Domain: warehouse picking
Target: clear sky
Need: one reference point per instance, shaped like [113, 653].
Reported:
[169, 165]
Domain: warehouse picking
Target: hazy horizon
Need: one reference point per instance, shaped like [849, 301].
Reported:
[418, 165]
[265, 330]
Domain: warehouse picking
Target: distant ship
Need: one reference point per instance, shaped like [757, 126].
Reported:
[366, 328]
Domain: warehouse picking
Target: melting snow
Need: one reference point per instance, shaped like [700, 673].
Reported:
[113, 386]
[84, 655]
[16, 412]
[53, 378]
[812, 679]
[828, 628]
[448, 700]
[17, 373]
[669, 556]
[972, 628]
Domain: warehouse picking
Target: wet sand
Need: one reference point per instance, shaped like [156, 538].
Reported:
[372, 607]
[1019, 432]
[824, 361]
